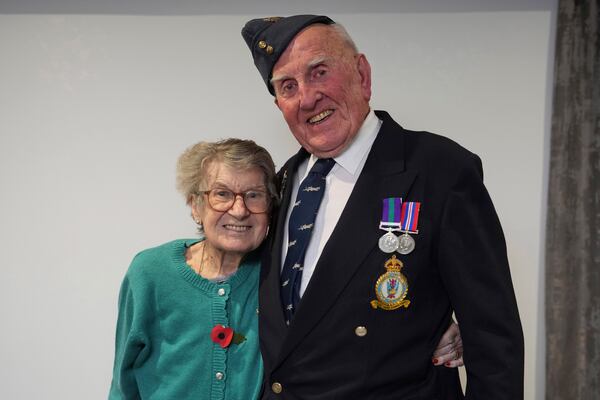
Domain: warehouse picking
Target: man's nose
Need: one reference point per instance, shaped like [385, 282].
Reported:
[309, 96]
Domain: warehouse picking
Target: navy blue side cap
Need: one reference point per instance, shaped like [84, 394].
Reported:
[268, 38]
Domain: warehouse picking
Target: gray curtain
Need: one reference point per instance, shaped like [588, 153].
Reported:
[573, 224]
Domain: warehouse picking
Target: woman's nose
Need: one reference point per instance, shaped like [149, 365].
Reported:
[239, 209]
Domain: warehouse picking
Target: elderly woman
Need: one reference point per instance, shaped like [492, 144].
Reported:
[188, 326]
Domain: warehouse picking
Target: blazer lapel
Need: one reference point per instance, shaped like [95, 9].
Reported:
[356, 233]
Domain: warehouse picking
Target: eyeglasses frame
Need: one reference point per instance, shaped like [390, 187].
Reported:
[235, 195]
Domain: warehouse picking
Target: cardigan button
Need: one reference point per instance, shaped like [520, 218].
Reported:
[221, 292]
[276, 387]
[219, 376]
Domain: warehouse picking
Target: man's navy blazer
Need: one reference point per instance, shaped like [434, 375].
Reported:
[459, 264]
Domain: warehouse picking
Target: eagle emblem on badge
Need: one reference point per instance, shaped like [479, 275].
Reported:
[392, 287]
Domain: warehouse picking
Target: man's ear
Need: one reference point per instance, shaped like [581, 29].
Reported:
[276, 102]
[364, 70]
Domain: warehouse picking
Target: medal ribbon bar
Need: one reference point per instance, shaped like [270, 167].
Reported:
[391, 214]
[410, 216]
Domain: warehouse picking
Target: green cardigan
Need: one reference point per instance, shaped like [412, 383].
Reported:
[166, 314]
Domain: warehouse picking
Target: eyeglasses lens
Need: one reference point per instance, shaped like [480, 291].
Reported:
[256, 201]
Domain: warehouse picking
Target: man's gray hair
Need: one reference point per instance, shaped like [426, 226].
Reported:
[345, 36]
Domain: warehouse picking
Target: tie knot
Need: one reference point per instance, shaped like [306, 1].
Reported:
[322, 166]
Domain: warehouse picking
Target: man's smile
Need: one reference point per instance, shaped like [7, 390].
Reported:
[320, 117]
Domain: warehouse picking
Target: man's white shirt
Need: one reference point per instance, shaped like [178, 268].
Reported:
[339, 185]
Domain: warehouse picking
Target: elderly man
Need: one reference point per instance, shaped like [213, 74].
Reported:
[382, 234]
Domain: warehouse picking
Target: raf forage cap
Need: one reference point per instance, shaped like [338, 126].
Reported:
[268, 38]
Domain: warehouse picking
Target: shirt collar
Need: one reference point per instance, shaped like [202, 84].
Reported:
[352, 157]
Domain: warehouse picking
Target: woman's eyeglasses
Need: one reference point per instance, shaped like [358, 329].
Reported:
[256, 201]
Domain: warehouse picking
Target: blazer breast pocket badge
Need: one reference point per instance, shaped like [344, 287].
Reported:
[392, 287]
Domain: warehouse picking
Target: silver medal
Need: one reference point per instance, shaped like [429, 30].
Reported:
[406, 244]
[389, 243]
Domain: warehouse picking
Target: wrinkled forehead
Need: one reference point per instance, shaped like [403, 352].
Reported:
[222, 173]
[319, 39]
[313, 45]
[284, 70]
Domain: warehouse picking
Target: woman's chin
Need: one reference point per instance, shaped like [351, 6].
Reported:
[235, 246]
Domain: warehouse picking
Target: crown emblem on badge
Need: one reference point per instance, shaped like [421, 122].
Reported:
[393, 264]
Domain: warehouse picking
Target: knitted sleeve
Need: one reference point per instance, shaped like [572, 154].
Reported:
[130, 346]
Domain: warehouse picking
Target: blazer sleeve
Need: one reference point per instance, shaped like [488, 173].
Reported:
[129, 346]
[474, 269]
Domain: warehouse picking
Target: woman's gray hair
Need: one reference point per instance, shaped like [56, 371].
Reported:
[239, 154]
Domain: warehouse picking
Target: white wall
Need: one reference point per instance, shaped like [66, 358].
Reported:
[95, 109]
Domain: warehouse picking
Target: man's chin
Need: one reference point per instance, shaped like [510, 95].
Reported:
[327, 150]
[333, 153]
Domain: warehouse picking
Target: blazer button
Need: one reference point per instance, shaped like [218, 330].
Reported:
[360, 331]
[276, 387]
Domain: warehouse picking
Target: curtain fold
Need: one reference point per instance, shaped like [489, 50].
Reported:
[573, 223]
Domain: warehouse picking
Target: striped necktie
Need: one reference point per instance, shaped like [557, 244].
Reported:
[300, 227]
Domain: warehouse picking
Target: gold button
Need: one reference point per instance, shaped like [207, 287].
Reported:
[262, 44]
[269, 50]
[360, 331]
[276, 387]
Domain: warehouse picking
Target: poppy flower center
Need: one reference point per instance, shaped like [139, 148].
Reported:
[221, 335]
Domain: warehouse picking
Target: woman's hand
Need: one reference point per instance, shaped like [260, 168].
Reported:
[450, 349]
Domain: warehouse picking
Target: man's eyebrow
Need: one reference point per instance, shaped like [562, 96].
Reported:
[318, 61]
[312, 64]
[278, 78]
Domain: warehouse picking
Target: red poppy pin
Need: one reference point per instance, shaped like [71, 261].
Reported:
[224, 336]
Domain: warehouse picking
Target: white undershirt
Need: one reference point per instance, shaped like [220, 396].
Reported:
[340, 182]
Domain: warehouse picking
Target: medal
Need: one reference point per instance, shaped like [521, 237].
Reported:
[390, 221]
[406, 244]
[389, 242]
[409, 222]
[392, 287]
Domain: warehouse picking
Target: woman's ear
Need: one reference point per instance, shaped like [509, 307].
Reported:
[196, 209]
